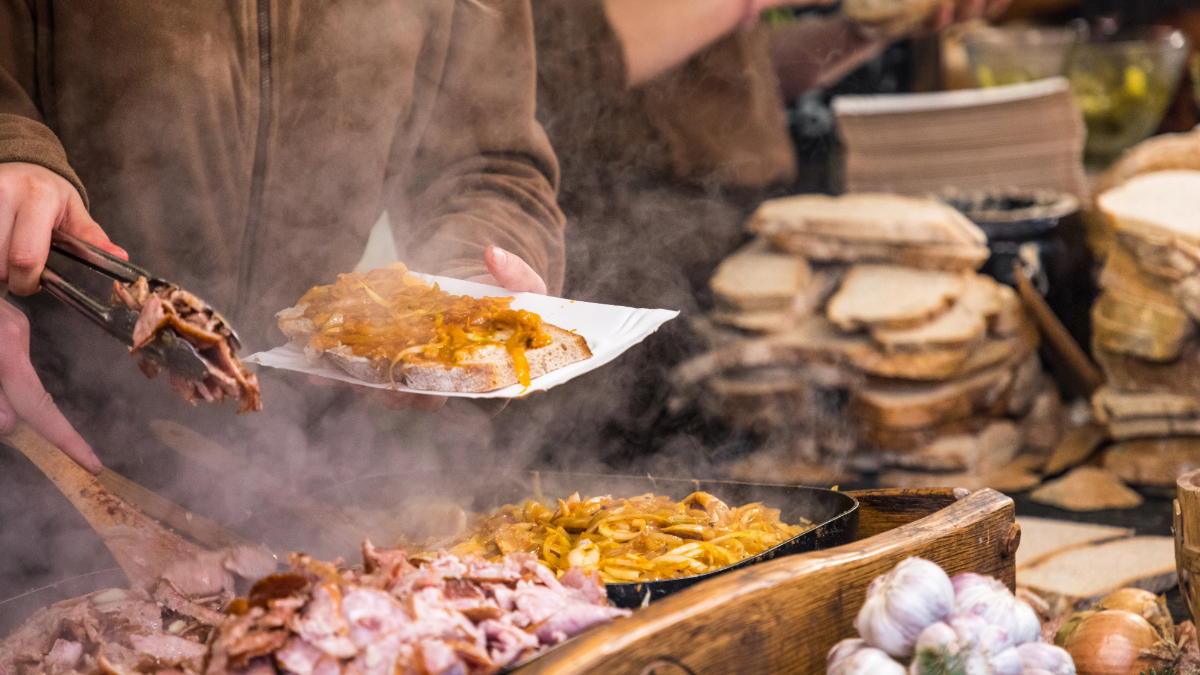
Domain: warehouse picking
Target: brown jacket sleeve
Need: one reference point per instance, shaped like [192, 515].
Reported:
[483, 171]
[24, 136]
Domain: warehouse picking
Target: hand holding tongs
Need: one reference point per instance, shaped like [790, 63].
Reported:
[170, 351]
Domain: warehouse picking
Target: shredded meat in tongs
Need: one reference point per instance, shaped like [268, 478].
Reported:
[191, 319]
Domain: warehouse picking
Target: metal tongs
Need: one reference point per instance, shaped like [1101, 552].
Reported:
[167, 349]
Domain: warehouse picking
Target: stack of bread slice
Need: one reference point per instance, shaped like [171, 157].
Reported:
[936, 375]
[1145, 336]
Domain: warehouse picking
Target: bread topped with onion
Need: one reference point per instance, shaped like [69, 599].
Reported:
[390, 327]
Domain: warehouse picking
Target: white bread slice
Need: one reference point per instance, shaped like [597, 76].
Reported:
[910, 405]
[1160, 207]
[756, 280]
[1074, 578]
[921, 233]
[889, 296]
[1043, 537]
[1140, 326]
[485, 368]
[962, 324]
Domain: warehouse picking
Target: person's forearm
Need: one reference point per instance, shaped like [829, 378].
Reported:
[657, 35]
[815, 53]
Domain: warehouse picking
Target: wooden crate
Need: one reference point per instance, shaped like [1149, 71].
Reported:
[783, 616]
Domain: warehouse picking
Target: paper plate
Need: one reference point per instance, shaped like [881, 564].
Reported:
[608, 329]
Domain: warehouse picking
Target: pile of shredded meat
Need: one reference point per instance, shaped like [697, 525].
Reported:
[171, 307]
[426, 615]
[401, 616]
[116, 632]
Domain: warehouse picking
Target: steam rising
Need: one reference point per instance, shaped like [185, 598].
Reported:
[629, 241]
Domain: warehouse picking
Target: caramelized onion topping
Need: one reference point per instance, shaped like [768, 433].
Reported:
[388, 315]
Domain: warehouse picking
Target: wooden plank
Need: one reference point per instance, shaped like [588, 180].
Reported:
[783, 616]
[886, 509]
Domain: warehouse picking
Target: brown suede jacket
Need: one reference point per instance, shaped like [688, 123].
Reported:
[244, 148]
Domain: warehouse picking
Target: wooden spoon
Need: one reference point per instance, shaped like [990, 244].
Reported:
[143, 548]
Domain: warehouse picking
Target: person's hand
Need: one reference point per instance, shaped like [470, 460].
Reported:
[509, 272]
[506, 270]
[22, 396]
[35, 201]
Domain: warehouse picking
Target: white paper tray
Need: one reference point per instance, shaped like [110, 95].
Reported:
[608, 329]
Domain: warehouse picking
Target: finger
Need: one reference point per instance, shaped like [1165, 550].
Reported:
[511, 272]
[943, 17]
[78, 222]
[25, 398]
[30, 244]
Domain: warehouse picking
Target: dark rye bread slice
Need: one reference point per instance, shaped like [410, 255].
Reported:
[485, 368]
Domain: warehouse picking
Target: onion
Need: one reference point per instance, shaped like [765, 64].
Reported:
[1143, 603]
[1111, 643]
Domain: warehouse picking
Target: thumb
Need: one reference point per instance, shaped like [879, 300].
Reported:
[511, 272]
[78, 222]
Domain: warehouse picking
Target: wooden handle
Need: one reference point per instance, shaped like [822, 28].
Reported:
[1075, 359]
[783, 616]
[142, 547]
[207, 533]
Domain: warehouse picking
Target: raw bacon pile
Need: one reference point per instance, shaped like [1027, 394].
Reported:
[440, 615]
[194, 321]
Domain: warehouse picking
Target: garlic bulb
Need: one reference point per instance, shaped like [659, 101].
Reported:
[965, 644]
[842, 651]
[901, 603]
[862, 661]
[1048, 658]
[991, 600]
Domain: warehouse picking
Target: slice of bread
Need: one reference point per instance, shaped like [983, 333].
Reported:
[863, 227]
[1121, 274]
[1140, 326]
[964, 323]
[1043, 537]
[1074, 578]
[1087, 488]
[910, 405]
[1153, 461]
[1158, 207]
[1110, 404]
[757, 280]
[889, 296]
[485, 368]
[1125, 372]
[818, 339]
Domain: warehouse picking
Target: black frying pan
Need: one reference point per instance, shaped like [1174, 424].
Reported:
[835, 514]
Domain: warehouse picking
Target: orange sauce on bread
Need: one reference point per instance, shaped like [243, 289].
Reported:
[388, 315]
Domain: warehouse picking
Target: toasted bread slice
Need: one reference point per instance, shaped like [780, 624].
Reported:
[893, 297]
[1153, 461]
[757, 280]
[922, 233]
[485, 368]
